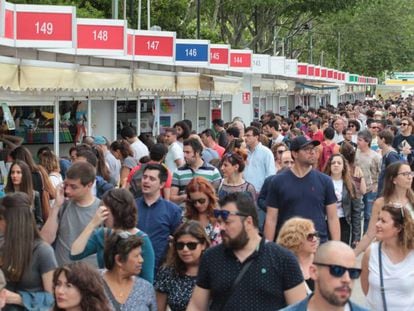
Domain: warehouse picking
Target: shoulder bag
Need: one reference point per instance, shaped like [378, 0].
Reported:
[384, 302]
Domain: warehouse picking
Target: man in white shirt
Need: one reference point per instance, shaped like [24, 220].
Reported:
[175, 155]
[138, 147]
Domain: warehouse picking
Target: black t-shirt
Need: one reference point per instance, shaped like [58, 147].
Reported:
[273, 271]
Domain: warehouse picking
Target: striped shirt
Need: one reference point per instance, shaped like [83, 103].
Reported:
[183, 175]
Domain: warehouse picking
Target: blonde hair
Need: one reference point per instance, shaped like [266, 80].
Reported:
[293, 233]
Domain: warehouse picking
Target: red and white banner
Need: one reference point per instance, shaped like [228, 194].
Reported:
[158, 46]
[241, 60]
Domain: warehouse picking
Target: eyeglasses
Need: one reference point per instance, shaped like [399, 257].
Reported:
[351, 125]
[308, 149]
[311, 236]
[190, 245]
[338, 271]
[224, 214]
[407, 174]
[404, 124]
[199, 201]
[398, 206]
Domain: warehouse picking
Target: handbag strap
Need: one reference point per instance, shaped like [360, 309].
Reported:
[384, 302]
[236, 282]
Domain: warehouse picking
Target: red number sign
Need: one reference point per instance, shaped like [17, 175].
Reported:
[219, 56]
[100, 37]
[44, 26]
[146, 45]
[240, 60]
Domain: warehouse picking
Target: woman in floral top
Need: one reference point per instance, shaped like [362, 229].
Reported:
[175, 280]
[201, 201]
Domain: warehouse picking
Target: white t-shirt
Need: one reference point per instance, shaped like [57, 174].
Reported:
[398, 281]
[338, 185]
[175, 152]
[140, 149]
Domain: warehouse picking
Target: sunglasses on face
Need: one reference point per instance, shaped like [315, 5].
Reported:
[225, 214]
[311, 236]
[352, 125]
[190, 245]
[199, 201]
[404, 124]
[339, 271]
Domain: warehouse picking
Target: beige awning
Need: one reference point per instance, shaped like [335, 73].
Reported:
[267, 85]
[46, 75]
[9, 77]
[227, 85]
[188, 81]
[150, 80]
[101, 78]
[280, 85]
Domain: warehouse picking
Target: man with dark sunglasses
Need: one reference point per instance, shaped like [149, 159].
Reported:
[269, 275]
[334, 273]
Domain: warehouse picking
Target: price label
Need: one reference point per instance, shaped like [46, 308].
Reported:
[188, 52]
[101, 37]
[43, 26]
[155, 46]
[240, 60]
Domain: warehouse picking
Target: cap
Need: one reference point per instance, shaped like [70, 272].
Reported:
[2, 280]
[301, 142]
[99, 140]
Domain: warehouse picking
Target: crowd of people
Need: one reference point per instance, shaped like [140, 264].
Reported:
[269, 215]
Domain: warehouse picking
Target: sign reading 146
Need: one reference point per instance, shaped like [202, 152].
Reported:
[191, 52]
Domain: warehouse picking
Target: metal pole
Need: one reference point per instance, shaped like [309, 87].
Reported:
[198, 19]
[139, 15]
[283, 47]
[125, 17]
[115, 9]
[148, 14]
[311, 48]
[339, 50]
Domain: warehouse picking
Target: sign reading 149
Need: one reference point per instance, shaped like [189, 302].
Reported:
[192, 50]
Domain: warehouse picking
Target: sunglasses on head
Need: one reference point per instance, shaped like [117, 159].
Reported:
[311, 236]
[338, 271]
[190, 245]
[200, 201]
[224, 214]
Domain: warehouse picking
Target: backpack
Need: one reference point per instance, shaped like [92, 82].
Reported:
[327, 152]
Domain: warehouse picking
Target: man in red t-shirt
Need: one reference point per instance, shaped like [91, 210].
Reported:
[207, 137]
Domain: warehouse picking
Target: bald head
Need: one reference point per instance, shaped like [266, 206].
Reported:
[335, 249]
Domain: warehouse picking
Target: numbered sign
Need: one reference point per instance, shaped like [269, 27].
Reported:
[291, 67]
[45, 26]
[311, 70]
[324, 72]
[219, 56]
[241, 60]
[192, 52]
[101, 37]
[6, 23]
[302, 69]
[261, 63]
[154, 45]
[329, 73]
[317, 71]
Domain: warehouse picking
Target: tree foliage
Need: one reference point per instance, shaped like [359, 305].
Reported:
[373, 35]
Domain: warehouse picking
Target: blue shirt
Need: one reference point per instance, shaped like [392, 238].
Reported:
[159, 221]
[306, 197]
[260, 164]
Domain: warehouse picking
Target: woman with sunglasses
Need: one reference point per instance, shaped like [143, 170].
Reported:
[277, 150]
[348, 206]
[118, 213]
[393, 257]
[397, 191]
[125, 290]
[201, 201]
[78, 286]
[299, 235]
[176, 279]
[232, 167]
[354, 127]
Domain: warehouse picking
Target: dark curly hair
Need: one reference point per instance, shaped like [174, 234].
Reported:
[89, 283]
